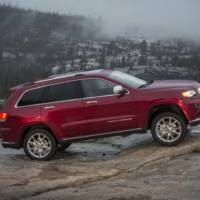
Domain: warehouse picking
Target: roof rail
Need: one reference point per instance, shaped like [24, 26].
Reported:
[64, 74]
[77, 75]
[21, 85]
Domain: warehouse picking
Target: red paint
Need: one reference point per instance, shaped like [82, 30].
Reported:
[3, 116]
[93, 116]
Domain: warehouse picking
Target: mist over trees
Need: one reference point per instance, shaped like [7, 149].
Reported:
[31, 41]
[34, 45]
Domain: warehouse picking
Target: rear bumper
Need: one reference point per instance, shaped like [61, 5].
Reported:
[7, 138]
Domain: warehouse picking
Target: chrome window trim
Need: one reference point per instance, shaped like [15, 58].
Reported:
[39, 104]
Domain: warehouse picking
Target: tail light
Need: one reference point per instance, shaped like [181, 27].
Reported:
[3, 116]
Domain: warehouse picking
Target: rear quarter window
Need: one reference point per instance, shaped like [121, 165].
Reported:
[32, 97]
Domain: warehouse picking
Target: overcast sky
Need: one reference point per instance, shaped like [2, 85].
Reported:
[155, 17]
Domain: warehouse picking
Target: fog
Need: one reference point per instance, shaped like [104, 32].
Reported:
[136, 18]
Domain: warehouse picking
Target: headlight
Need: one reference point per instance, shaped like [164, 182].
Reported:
[189, 93]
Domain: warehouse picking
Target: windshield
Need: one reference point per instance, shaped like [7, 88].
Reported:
[127, 79]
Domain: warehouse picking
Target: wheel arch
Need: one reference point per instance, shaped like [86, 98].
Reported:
[155, 110]
[36, 126]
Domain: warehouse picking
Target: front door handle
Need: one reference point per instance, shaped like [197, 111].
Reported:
[49, 107]
[91, 102]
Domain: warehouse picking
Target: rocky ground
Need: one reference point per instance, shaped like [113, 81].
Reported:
[118, 168]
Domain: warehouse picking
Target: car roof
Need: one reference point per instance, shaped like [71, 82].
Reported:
[69, 75]
[61, 76]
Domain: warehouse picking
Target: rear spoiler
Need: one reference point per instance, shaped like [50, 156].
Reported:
[20, 86]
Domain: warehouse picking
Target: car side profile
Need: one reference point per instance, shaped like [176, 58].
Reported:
[48, 115]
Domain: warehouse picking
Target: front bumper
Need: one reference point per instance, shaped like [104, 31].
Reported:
[12, 145]
[195, 122]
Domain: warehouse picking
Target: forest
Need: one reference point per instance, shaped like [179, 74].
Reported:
[31, 41]
[34, 45]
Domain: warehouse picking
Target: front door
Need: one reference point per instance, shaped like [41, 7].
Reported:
[106, 111]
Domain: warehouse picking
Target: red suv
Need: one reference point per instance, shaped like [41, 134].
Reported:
[47, 115]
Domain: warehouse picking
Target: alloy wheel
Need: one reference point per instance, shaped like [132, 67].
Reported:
[168, 129]
[39, 145]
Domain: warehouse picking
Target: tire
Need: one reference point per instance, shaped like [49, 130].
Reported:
[39, 144]
[62, 147]
[168, 129]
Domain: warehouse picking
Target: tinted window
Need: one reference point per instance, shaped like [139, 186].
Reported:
[65, 91]
[32, 97]
[97, 87]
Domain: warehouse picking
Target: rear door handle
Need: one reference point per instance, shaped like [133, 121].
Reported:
[91, 102]
[49, 107]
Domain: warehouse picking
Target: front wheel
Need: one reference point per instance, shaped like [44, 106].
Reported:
[62, 147]
[168, 129]
[39, 144]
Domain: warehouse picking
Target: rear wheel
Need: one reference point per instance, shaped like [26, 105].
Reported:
[39, 144]
[168, 129]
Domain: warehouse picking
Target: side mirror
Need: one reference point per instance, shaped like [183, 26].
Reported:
[119, 90]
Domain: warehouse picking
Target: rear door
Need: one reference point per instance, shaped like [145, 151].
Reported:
[64, 110]
[105, 111]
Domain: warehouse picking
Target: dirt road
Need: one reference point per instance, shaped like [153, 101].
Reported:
[117, 168]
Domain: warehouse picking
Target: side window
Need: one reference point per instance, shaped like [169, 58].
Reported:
[97, 87]
[59, 92]
[65, 91]
[32, 97]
